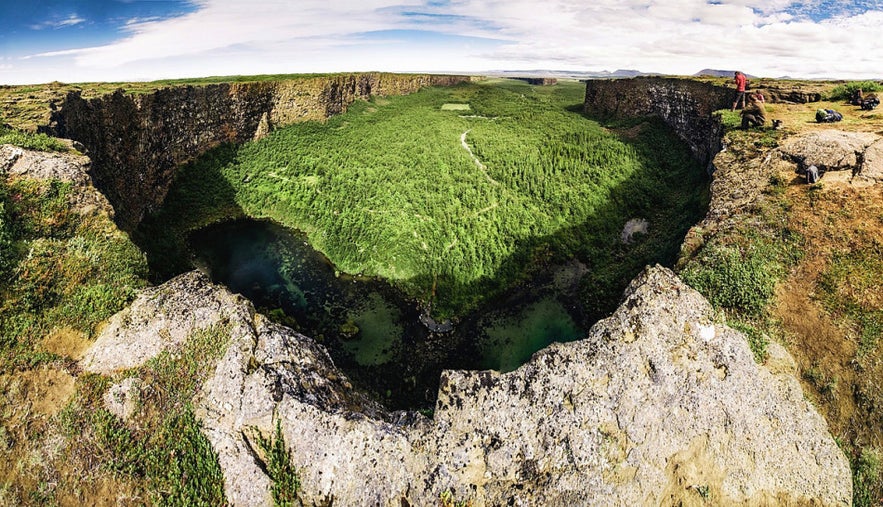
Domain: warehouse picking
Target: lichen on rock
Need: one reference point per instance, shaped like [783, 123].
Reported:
[829, 150]
[658, 404]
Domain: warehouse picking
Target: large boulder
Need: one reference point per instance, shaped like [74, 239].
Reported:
[161, 318]
[872, 162]
[829, 150]
[69, 167]
[659, 404]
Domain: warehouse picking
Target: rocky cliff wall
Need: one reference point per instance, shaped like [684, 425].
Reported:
[685, 105]
[136, 142]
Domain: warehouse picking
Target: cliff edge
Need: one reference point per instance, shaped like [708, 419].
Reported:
[657, 405]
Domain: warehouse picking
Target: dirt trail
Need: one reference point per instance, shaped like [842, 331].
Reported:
[475, 159]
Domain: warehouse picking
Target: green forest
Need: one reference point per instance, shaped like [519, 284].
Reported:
[452, 194]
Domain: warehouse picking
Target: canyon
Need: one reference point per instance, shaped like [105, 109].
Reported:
[661, 403]
[136, 141]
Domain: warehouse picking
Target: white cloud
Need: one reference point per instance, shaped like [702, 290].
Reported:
[763, 37]
[71, 20]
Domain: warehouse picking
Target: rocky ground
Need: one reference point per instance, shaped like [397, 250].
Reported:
[658, 404]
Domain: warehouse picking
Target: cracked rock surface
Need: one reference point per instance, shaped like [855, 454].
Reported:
[658, 404]
[835, 150]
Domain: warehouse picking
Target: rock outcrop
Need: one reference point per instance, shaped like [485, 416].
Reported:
[861, 153]
[797, 93]
[137, 141]
[539, 81]
[161, 318]
[72, 168]
[684, 105]
[659, 404]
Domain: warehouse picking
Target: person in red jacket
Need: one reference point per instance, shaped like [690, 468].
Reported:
[741, 83]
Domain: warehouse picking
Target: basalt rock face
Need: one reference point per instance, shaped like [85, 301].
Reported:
[792, 94]
[684, 105]
[137, 141]
[539, 81]
[658, 405]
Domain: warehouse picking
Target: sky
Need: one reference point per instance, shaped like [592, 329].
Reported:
[130, 40]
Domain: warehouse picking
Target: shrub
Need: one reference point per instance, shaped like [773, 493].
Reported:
[279, 468]
[847, 287]
[740, 279]
[846, 91]
[867, 483]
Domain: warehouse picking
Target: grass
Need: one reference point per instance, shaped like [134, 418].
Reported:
[40, 142]
[387, 189]
[455, 107]
[867, 478]
[848, 289]
[739, 277]
[279, 468]
[58, 268]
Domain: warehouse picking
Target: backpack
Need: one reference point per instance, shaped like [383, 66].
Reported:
[828, 116]
[870, 103]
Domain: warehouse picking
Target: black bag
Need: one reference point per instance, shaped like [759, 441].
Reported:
[828, 116]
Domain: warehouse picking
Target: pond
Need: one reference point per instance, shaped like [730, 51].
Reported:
[371, 331]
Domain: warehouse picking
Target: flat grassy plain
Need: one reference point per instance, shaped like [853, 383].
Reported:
[452, 206]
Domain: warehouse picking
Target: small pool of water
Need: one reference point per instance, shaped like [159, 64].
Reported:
[370, 330]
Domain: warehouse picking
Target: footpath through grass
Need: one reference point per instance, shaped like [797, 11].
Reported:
[451, 205]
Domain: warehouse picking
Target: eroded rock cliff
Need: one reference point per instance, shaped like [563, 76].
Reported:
[658, 404]
[136, 141]
[683, 104]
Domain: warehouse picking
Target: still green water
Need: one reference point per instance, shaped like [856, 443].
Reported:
[368, 327]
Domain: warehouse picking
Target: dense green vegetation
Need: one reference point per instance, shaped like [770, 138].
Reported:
[40, 142]
[847, 90]
[389, 189]
[58, 268]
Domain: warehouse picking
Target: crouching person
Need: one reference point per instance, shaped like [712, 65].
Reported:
[754, 114]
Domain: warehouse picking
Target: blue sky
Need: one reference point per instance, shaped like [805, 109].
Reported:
[116, 40]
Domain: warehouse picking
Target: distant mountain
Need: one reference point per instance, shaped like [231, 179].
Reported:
[719, 73]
